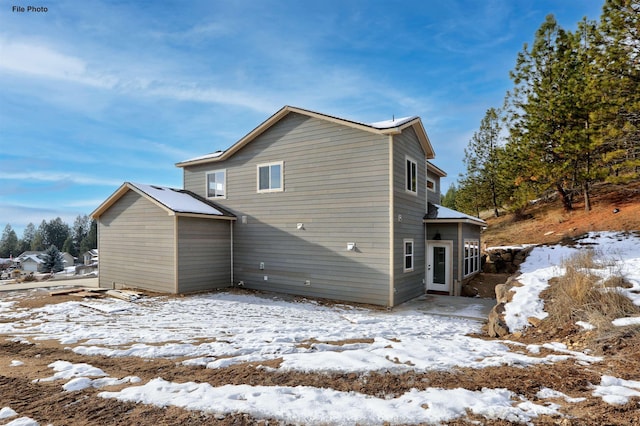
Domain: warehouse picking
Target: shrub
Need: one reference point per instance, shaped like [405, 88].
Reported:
[581, 295]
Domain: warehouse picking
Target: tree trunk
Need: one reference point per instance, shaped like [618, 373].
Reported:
[587, 199]
[566, 200]
[494, 198]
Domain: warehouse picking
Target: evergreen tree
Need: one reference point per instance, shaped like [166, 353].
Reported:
[550, 109]
[56, 232]
[449, 198]
[39, 238]
[617, 120]
[53, 260]
[28, 235]
[90, 241]
[79, 231]
[9, 243]
[482, 159]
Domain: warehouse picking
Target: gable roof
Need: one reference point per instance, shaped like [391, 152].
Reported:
[176, 202]
[435, 169]
[388, 127]
[438, 214]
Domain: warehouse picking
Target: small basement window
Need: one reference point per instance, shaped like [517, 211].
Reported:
[270, 177]
[217, 184]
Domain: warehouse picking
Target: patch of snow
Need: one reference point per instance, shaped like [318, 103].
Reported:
[546, 393]
[6, 413]
[67, 370]
[621, 322]
[16, 363]
[291, 404]
[80, 383]
[177, 200]
[585, 325]
[616, 391]
[23, 421]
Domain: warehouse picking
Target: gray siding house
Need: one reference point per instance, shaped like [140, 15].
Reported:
[310, 204]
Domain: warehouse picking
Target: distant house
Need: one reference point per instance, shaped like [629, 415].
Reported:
[307, 204]
[33, 261]
[90, 257]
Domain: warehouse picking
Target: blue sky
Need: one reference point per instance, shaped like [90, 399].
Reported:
[95, 93]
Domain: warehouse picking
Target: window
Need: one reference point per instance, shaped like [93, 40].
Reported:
[412, 176]
[471, 257]
[431, 185]
[270, 177]
[408, 255]
[217, 184]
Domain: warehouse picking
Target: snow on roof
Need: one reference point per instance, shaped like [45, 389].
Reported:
[205, 157]
[178, 200]
[389, 124]
[445, 213]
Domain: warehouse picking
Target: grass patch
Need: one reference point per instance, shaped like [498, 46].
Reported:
[582, 295]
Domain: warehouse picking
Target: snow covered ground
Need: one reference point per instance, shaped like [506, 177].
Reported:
[218, 330]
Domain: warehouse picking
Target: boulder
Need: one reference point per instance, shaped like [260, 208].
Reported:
[496, 326]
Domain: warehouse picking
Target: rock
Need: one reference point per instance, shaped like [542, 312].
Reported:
[534, 321]
[489, 268]
[496, 326]
[468, 291]
[501, 293]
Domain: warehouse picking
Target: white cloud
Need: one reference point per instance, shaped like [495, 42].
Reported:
[38, 60]
[71, 178]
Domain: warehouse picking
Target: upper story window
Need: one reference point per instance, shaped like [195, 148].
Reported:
[271, 177]
[431, 185]
[217, 184]
[411, 184]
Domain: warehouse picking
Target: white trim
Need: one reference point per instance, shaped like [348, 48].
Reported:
[408, 186]
[270, 189]
[224, 184]
[405, 254]
[392, 240]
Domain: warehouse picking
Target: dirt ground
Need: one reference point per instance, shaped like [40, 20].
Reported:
[613, 207]
[48, 403]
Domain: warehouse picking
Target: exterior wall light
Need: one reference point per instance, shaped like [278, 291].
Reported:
[351, 246]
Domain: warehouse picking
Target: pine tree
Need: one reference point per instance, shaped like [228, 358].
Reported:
[53, 260]
[8, 243]
[90, 241]
[617, 66]
[550, 110]
[28, 236]
[449, 198]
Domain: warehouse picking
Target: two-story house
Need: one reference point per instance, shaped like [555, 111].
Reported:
[306, 204]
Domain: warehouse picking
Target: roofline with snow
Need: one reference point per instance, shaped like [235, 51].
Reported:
[414, 122]
[128, 186]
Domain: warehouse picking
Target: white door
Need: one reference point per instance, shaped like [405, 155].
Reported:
[439, 266]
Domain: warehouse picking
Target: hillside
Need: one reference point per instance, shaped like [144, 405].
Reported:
[613, 207]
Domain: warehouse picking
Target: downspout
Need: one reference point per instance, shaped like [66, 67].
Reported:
[176, 255]
[231, 222]
[391, 226]
[456, 291]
